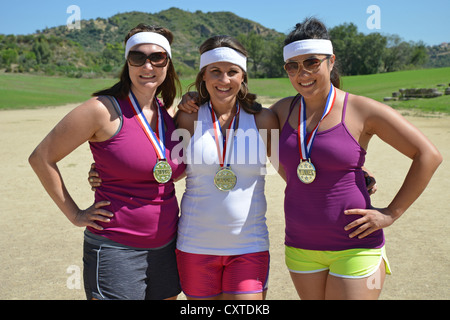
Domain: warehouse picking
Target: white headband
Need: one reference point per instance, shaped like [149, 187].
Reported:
[223, 54]
[317, 46]
[148, 37]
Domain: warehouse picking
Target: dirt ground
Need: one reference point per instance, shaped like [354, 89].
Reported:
[41, 252]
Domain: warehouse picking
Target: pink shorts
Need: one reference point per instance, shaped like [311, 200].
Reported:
[204, 276]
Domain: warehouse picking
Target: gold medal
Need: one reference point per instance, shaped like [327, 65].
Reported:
[225, 179]
[306, 172]
[162, 171]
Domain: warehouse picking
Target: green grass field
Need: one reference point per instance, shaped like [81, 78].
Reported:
[378, 86]
[29, 91]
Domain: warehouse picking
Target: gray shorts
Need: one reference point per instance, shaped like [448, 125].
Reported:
[124, 273]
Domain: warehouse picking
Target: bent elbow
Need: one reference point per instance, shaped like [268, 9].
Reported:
[32, 159]
[439, 158]
[35, 159]
[436, 158]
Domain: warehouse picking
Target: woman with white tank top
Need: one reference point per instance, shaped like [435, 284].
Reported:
[223, 243]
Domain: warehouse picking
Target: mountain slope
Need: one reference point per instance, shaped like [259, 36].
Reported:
[99, 42]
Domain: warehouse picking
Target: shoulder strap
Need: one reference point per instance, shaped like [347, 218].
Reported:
[116, 106]
[293, 103]
[344, 109]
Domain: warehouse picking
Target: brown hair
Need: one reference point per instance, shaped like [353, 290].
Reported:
[245, 98]
[312, 28]
[168, 88]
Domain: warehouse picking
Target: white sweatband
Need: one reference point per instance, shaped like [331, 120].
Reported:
[148, 37]
[316, 46]
[223, 54]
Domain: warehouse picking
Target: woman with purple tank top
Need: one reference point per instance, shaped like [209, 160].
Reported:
[129, 247]
[334, 237]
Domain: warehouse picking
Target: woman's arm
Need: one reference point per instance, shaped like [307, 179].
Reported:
[84, 123]
[395, 130]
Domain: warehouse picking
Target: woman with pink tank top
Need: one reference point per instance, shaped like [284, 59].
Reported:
[130, 236]
[334, 237]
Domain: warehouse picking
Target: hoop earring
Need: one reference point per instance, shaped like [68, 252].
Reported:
[244, 88]
[200, 90]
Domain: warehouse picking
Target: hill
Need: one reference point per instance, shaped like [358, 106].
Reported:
[97, 47]
[95, 50]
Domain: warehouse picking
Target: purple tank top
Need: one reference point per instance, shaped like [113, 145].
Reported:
[145, 211]
[314, 212]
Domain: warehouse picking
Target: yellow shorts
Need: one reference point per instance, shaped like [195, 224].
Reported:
[352, 263]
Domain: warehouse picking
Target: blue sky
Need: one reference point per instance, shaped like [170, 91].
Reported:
[412, 20]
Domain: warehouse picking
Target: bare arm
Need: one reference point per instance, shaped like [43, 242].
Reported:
[86, 122]
[393, 129]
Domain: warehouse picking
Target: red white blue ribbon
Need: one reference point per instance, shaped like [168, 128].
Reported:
[224, 145]
[157, 140]
[305, 142]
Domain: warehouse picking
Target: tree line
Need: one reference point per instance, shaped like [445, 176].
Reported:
[357, 54]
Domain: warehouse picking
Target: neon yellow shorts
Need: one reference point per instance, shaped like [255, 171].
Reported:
[352, 263]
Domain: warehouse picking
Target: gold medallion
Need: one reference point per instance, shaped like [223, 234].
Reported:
[306, 172]
[225, 179]
[162, 171]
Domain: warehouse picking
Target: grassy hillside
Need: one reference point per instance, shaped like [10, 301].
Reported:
[25, 91]
[96, 49]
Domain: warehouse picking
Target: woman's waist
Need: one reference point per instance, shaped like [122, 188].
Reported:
[231, 209]
[210, 237]
[225, 205]
[142, 192]
[324, 209]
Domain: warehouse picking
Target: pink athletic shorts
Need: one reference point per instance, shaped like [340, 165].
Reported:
[204, 276]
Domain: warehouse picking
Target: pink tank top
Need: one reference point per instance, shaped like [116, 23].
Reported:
[314, 212]
[145, 211]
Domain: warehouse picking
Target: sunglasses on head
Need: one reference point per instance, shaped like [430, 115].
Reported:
[310, 65]
[138, 59]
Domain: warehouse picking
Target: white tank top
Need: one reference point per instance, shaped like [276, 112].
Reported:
[224, 223]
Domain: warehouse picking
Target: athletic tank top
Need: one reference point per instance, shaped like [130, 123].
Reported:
[314, 213]
[145, 211]
[224, 223]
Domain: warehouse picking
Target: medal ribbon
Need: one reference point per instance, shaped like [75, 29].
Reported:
[227, 142]
[157, 140]
[305, 142]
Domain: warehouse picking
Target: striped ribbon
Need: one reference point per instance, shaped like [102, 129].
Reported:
[226, 140]
[305, 142]
[157, 140]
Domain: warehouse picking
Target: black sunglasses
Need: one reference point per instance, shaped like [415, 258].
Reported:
[138, 59]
